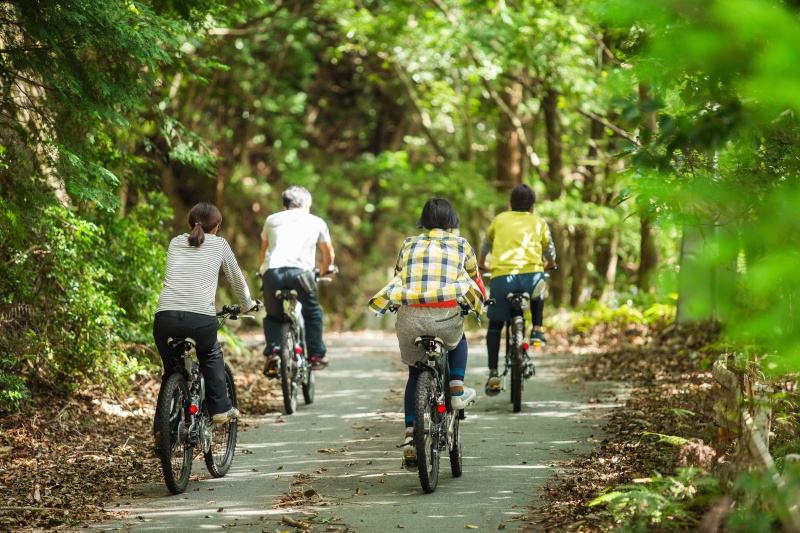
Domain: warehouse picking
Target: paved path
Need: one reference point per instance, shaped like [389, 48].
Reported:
[343, 446]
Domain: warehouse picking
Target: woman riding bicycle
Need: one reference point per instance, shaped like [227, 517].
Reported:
[186, 303]
[434, 271]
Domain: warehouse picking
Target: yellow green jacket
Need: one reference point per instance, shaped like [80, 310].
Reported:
[520, 243]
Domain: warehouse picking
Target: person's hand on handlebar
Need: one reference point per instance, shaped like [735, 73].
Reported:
[257, 305]
[318, 276]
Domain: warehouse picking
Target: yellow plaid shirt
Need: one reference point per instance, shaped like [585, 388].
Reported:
[433, 267]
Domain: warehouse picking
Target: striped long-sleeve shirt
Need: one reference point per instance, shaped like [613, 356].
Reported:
[190, 281]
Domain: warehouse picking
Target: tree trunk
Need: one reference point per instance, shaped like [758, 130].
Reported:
[557, 286]
[648, 249]
[581, 245]
[508, 150]
[555, 146]
[583, 238]
[649, 253]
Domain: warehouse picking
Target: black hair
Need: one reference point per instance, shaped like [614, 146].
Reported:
[522, 198]
[203, 218]
[296, 197]
[438, 213]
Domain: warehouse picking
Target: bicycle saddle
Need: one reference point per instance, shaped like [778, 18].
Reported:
[427, 338]
[284, 294]
[523, 295]
[177, 341]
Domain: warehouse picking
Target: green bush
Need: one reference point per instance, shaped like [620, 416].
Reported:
[660, 501]
[88, 293]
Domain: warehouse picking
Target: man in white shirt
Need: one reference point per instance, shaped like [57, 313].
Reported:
[289, 242]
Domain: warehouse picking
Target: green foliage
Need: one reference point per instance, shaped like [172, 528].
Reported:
[594, 313]
[762, 499]
[661, 501]
[77, 280]
[724, 156]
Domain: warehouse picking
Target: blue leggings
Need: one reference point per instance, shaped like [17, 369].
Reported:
[457, 360]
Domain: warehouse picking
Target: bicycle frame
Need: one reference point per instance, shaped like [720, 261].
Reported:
[519, 302]
[291, 314]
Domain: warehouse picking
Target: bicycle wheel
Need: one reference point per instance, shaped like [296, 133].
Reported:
[172, 424]
[288, 369]
[223, 436]
[309, 385]
[310, 381]
[427, 432]
[517, 337]
[455, 450]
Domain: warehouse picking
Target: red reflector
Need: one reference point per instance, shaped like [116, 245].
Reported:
[193, 409]
[441, 408]
[525, 345]
[298, 350]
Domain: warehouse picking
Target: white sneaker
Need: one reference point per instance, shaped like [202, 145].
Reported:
[460, 402]
[223, 418]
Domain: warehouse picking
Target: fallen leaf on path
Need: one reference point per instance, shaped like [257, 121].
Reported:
[295, 523]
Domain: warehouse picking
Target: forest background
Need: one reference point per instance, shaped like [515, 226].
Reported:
[660, 136]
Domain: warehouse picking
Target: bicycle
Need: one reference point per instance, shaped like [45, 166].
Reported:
[517, 361]
[181, 414]
[294, 366]
[436, 426]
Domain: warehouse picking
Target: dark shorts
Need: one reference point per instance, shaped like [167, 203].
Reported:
[501, 286]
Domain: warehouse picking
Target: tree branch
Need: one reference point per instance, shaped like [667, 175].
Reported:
[616, 129]
[425, 120]
[517, 123]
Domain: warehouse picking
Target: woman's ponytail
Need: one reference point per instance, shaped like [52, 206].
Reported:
[203, 218]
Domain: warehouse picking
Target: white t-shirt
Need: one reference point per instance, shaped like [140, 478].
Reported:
[293, 235]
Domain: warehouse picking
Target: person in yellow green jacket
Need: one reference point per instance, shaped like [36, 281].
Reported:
[521, 250]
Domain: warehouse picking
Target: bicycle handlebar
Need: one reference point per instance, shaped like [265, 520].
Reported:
[233, 311]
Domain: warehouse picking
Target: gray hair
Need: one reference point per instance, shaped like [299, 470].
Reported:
[296, 196]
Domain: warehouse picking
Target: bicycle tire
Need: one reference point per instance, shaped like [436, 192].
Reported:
[288, 371]
[309, 386]
[171, 422]
[223, 436]
[427, 431]
[517, 338]
[455, 450]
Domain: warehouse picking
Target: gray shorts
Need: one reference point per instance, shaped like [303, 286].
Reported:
[443, 322]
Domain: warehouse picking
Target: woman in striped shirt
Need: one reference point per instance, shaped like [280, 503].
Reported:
[433, 272]
[186, 305]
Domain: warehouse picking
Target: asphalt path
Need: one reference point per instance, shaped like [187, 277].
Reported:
[341, 450]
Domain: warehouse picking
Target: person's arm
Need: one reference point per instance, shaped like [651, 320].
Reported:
[471, 264]
[486, 247]
[485, 250]
[263, 254]
[326, 251]
[398, 266]
[549, 249]
[234, 274]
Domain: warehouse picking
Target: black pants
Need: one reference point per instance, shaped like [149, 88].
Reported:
[286, 278]
[203, 329]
